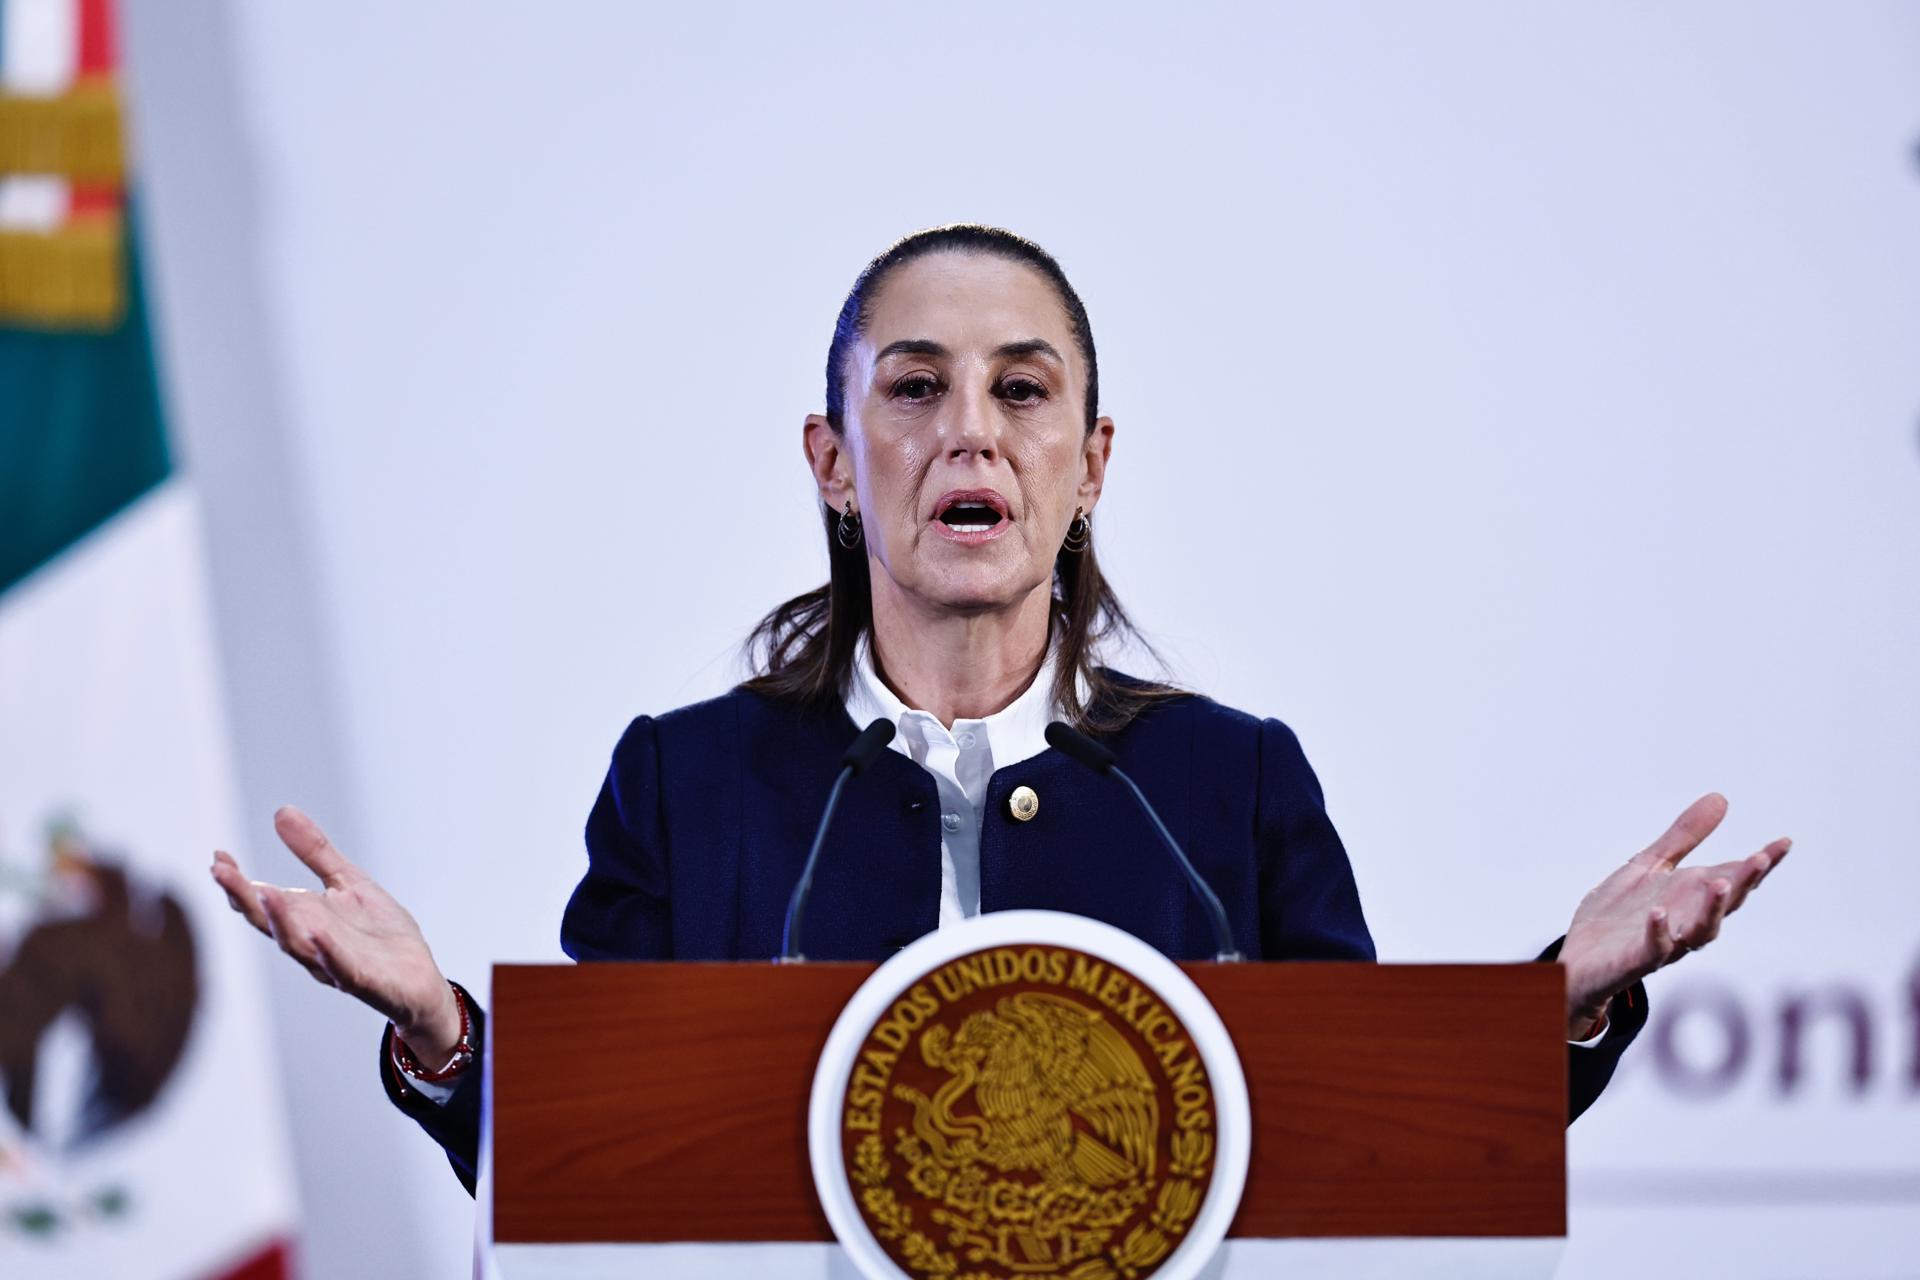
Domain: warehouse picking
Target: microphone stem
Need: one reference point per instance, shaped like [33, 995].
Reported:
[797, 905]
[1217, 914]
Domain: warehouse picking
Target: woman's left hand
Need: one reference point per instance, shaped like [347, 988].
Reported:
[1652, 911]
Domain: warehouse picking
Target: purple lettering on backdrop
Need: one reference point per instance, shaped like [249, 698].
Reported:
[1796, 1011]
[1711, 1068]
[1913, 1013]
[1721, 1007]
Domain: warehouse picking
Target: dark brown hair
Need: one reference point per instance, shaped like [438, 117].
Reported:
[804, 651]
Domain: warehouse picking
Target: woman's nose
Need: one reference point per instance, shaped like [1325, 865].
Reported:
[973, 426]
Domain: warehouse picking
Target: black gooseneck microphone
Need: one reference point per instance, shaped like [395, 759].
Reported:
[1069, 741]
[865, 750]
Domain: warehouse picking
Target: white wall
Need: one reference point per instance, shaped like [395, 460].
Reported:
[1522, 404]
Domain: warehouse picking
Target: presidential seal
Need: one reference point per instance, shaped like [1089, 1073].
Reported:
[1033, 1095]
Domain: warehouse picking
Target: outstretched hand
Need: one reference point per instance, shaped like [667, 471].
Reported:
[351, 934]
[1652, 911]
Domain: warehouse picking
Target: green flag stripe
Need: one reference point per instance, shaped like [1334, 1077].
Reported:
[81, 434]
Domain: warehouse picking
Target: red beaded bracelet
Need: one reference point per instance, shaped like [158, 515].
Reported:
[462, 1050]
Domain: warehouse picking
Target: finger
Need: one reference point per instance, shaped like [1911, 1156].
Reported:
[240, 891]
[1693, 825]
[1747, 874]
[1707, 927]
[285, 916]
[278, 925]
[1774, 854]
[1740, 877]
[1660, 943]
[1689, 899]
[324, 966]
[310, 844]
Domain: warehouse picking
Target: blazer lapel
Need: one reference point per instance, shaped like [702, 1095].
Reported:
[877, 885]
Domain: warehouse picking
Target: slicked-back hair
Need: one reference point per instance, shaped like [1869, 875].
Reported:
[804, 651]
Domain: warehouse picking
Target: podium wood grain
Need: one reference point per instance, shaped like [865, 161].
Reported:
[667, 1102]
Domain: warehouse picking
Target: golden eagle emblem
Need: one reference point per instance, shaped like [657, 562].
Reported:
[1034, 1064]
[1005, 1120]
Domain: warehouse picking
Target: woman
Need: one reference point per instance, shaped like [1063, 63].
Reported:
[960, 461]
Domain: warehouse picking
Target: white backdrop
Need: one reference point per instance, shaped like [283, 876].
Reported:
[1521, 404]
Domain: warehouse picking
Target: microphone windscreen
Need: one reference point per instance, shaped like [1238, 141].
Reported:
[867, 747]
[1069, 741]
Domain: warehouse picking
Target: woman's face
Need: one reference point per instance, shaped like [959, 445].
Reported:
[965, 449]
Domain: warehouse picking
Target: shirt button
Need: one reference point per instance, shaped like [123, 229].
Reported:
[951, 821]
[966, 739]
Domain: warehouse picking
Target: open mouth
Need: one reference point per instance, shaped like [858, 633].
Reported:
[971, 511]
[970, 517]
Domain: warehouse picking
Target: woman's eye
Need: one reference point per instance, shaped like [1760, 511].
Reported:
[916, 387]
[1022, 390]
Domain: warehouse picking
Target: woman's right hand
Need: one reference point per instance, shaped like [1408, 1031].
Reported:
[351, 935]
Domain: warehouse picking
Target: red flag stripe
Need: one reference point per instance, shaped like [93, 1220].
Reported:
[97, 39]
[96, 57]
[274, 1261]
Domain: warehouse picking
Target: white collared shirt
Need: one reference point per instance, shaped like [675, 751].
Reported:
[962, 760]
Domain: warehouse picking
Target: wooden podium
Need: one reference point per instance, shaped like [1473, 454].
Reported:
[1408, 1119]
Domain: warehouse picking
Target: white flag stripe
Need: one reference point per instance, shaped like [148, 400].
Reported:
[33, 202]
[39, 45]
[111, 719]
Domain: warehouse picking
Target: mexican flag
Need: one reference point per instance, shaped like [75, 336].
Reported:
[140, 1134]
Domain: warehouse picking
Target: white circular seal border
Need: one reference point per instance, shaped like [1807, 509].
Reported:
[1233, 1138]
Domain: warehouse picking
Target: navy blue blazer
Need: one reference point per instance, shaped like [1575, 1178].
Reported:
[707, 812]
